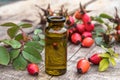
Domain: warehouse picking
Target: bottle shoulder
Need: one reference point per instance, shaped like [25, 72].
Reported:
[60, 31]
[56, 34]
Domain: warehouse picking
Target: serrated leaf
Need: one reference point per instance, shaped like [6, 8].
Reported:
[105, 55]
[42, 42]
[14, 54]
[34, 44]
[4, 56]
[25, 25]
[14, 43]
[41, 36]
[20, 63]
[19, 37]
[12, 31]
[112, 60]
[32, 55]
[98, 40]
[37, 31]
[103, 15]
[9, 24]
[104, 64]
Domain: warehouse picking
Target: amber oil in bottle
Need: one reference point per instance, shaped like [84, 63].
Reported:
[55, 46]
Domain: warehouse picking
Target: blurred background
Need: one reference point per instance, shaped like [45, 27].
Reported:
[4, 2]
[26, 10]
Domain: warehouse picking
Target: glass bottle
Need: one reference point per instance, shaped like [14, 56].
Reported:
[55, 46]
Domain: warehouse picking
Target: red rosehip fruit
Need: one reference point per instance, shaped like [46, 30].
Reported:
[33, 69]
[89, 26]
[118, 32]
[70, 21]
[95, 59]
[86, 34]
[87, 42]
[83, 66]
[80, 28]
[77, 14]
[86, 18]
[76, 38]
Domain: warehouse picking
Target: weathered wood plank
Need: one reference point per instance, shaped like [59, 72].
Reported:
[93, 74]
[72, 50]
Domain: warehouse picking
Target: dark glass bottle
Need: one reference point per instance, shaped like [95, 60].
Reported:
[55, 46]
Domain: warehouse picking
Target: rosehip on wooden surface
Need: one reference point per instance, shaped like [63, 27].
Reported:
[76, 38]
[89, 26]
[118, 27]
[87, 42]
[83, 66]
[71, 31]
[95, 59]
[77, 14]
[118, 32]
[86, 18]
[33, 69]
[70, 21]
[86, 34]
[80, 28]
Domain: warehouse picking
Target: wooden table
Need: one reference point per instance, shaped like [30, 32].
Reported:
[75, 52]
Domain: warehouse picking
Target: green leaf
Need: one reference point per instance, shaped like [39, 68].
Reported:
[99, 30]
[104, 48]
[42, 42]
[19, 37]
[4, 56]
[41, 36]
[9, 24]
[105, 55]
[98, 40]
[31, 54]
[103, 15]
[14, 54]
[35, 44]
[37, 31]
[116, 55]
[12, 31]
[25, 25]
[20, 63]
[104, 64]
[98, 19]
[35, 37]
[110, 51]
[112, 60]
[14, 43]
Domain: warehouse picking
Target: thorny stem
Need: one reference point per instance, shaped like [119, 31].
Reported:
[82, 10]
[45, 11]
[117, 18]
[48, 6]
[25, 36]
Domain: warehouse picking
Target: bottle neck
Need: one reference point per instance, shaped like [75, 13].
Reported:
[56, 22]
[56, 25]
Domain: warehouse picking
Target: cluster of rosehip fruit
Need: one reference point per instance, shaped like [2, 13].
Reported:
[83, 65]
[80, 28]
